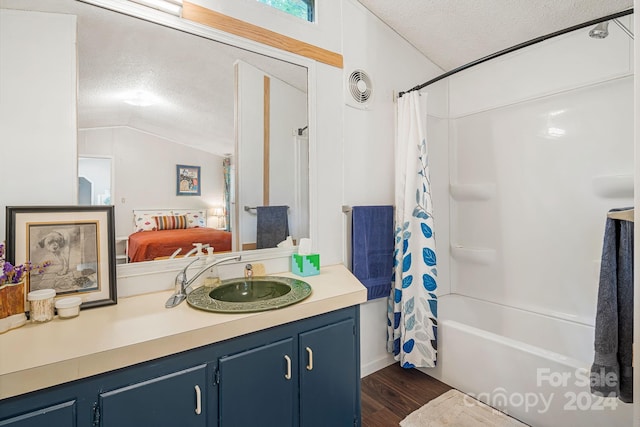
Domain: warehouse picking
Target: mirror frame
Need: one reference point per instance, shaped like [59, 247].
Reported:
[180, 24]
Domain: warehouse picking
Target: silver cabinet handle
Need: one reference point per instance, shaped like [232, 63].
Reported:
[288, 374]
[198, 400]
[310, 363]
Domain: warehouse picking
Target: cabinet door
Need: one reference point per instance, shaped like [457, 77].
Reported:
[257, 386]
[329, 375]
[62, 415]
[177, 399]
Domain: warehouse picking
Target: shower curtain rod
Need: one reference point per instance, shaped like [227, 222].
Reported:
[517, 47]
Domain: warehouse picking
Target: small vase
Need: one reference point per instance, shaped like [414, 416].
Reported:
[12, 306]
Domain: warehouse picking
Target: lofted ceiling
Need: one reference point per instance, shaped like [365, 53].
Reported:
[452, 33]
[193, 76]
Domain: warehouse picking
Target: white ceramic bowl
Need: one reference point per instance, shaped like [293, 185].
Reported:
[68, 307]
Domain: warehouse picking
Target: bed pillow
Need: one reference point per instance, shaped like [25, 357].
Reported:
[195, 219]
[145, 222]
[171, 222]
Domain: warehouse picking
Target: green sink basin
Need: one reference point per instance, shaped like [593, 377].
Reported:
[250, 290]
[247, 295]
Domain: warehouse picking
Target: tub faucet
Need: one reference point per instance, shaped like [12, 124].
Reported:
[182, 284]
[248, 271]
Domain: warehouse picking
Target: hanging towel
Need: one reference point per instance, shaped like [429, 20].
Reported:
[612, 372]
[273, 226]
[372, 248]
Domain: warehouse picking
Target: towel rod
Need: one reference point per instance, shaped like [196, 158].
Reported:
[347, 209]
[624, 215]
[253, 208]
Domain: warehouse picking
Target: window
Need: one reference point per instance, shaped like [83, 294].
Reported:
[299, 8]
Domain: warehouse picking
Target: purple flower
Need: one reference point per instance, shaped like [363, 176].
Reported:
[11, 274]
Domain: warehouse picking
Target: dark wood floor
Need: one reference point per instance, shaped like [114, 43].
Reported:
[392, 393]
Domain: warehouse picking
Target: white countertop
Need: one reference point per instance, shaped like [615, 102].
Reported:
[140, 328]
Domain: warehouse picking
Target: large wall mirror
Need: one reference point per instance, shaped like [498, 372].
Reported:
[172, 124]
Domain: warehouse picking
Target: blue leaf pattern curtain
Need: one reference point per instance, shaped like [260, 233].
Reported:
[412, 305]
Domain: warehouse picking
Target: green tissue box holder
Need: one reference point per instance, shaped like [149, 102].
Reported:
[305, 265]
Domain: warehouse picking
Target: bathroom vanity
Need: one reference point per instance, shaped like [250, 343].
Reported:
[138, 363]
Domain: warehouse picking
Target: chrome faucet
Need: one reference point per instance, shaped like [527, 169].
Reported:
[182, 284]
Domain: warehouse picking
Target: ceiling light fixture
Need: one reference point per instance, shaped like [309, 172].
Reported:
[174, 7]
[554, 132]
[140, 98]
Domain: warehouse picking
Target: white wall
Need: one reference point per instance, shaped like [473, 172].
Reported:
[287, 113]
[368, 148]
[145, 176]
[37, 109]
[542, 147]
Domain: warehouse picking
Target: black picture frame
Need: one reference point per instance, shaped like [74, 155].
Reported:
[78, 241]
[188, 181]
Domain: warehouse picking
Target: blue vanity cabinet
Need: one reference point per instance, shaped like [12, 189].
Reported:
[300, 374]
[329, 376]
[59, 415]
[176, 399]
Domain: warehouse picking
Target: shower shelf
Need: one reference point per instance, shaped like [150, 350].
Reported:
[613, 186]
[472, 192]
[482, 256]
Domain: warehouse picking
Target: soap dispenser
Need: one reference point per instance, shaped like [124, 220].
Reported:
[213, 278]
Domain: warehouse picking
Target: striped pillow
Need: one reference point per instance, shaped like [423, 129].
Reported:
[195, 219]
[173, 222]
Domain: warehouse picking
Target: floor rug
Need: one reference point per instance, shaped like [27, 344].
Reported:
[456, 409]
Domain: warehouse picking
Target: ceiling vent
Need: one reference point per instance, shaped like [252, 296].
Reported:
[360, 89]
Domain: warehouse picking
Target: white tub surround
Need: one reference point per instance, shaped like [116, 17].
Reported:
[535, 163]
[139, 329]
[535, 367]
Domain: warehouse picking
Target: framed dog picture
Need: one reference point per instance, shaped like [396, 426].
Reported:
[77, 243]
[188, 180]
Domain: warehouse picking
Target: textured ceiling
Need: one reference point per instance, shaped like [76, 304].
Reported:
[452, 33]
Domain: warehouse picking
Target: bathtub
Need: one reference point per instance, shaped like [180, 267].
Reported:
[533, 367]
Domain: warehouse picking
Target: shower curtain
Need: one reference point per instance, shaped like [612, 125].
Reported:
[412, 305]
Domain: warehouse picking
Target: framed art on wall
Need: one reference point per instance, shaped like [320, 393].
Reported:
[77, 241]
[188, 180]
